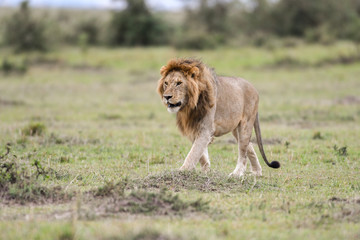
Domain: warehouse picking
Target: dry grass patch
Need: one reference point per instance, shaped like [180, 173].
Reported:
[194, 180]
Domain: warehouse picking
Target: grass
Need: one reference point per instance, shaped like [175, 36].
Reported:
[87, 124]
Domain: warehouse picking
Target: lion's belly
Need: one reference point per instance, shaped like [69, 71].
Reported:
[224, 127]
[227, 118]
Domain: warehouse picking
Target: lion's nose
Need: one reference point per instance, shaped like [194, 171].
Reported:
[167, 97]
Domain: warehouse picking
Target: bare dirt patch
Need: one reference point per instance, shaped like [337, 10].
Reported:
[54, 138]
[341, 59]
[293, 63]
[145, 234]
[53, 63]
[344, 200]
[110, 116]
[288, 62]
[348, 100]
[39, 136]
[349, 209]
[88, 68]
[266, 141]
[7, 102]
[143, 202]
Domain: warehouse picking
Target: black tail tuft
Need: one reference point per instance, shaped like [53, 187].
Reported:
[274, 164]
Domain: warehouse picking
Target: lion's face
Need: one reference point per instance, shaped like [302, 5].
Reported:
[174, 88]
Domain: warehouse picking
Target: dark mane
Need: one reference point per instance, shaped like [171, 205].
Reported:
[188, 120]
[201, 92]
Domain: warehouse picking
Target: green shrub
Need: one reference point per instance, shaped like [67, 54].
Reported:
[212, 16]
[23, 32]
[317, 135]
[206, 26]
[136, 26]
[352, 32]
[316, 21]
[321, 34]
[83, 43]
[260, 39]
[90, 29]
[34, 129]
[8, 67]
[291, 42]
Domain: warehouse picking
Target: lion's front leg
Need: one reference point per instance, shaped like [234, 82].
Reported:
[205, 161]
[198, 150]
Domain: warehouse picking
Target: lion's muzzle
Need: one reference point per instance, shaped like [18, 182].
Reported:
[170, 105]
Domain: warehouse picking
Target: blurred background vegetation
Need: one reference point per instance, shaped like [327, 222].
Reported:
[202, 24]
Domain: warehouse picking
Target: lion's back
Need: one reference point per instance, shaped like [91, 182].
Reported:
[235, 89]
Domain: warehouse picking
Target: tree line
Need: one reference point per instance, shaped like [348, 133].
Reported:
[207, 24]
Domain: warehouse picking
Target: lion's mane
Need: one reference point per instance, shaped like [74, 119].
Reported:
[201, 92]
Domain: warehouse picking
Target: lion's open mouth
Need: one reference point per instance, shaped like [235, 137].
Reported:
[170, 105]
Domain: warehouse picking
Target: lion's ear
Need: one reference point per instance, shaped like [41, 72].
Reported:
[163, 70]
[194, 72]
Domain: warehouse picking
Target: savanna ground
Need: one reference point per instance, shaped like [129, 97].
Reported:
[94, 153]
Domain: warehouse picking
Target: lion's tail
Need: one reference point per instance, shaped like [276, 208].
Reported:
[273, 164]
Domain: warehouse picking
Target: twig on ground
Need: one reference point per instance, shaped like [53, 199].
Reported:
[7, 151]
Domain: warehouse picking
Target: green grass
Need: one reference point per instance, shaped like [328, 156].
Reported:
[102, 121]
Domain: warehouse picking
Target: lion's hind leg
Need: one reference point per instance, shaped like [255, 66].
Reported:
[243, 134]
[255, 165]
[241, 162]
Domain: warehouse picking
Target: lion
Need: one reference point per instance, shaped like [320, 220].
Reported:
[208, 106]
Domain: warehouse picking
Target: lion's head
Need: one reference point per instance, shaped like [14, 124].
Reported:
[174, 91]
[186, 87]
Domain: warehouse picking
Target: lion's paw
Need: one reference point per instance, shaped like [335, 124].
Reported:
[256, 173]
[185, 168]
[236, 174]
[205, 167]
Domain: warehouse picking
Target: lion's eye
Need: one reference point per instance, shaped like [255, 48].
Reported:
[165, 83]
[178, 83]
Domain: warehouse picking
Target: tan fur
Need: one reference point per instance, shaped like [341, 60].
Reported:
[208, 106]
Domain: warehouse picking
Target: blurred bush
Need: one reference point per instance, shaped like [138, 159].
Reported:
[68, 26]
[206, 26]
[213, 16]
[90, 29]
[137, 26]
[9, 67]
[23, 32]
[316, 21]
[352, 32]
[194, 39]
[321, 34]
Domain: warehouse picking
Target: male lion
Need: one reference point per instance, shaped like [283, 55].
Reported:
[207, 106]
